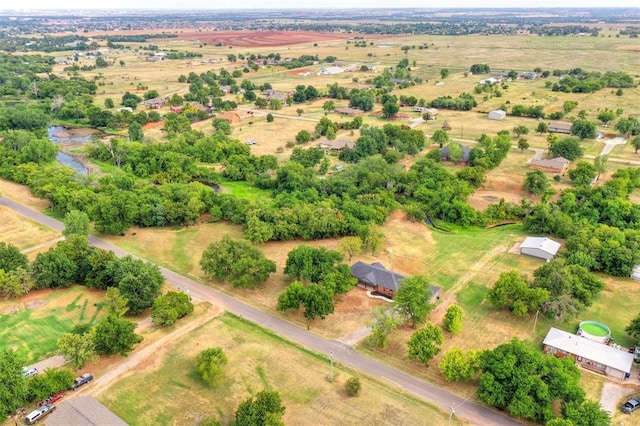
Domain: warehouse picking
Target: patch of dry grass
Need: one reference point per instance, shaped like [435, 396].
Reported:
[21, 232]
[256, 361]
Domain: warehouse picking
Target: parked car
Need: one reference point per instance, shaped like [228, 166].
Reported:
[81, 381]
[631, 405]
[39, 413]
[52, 399]
[29, 371]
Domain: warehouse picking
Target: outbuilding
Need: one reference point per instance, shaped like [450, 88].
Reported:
[589, 354]
[540, 247]
[497, 114]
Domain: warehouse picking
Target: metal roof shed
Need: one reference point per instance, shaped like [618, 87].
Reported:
[540, 247]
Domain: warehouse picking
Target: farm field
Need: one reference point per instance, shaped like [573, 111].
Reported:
[256, 362]
[33, 323]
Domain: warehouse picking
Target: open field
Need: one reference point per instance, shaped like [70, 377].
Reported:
[255, 363]
[42, 316]
[21, 232]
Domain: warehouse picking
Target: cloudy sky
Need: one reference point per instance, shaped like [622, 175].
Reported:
[298, 4]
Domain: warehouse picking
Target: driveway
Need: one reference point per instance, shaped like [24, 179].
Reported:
[474, 413]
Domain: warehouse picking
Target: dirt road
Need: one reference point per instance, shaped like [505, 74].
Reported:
[463, 408]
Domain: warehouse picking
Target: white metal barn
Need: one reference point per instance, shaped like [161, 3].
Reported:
[498, 114]
[540, 247]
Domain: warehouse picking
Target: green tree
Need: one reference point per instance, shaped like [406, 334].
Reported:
[601, 163]
[108, 103]
[318, 302]
[11, 258]
[440, 137]
[15, 387]
[583, 173]
[390, 109]
[275, 104]
[460, 366]
[265, 409]
[351, 246]
[424, 343]
[628, 126]
[210, 364]
[568, 148]
[523, 145]
[76, 223]
[536, 182]
[455, 153]
[115, 303]
[606, 116]
[303, 136]
[633, 329]
[48, 382]
[222, 125]
[53, 269]
[261, 103]
[353, 386]
[542, 127]
[520, 130]
[311, 264]
[584, 129]
[635, 143]
[453, 319]
[269, 118]
[585, 413]
[518, 377]
[170, 307]
[412, 301]
[15, 283]
[135, 132]
[237, 262]
[328, 106]
[78, 349]
[513, 291]
[385, 322]
[115, 335]
[372, 238]
[138, 282]
[444, 73]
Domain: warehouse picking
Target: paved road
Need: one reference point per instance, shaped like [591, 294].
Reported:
[468, 410]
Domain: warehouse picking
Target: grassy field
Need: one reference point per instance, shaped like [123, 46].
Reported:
[34, 331]
[21, 232]
[256, 362]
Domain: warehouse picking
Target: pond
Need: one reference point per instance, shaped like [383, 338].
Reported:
[58, 134]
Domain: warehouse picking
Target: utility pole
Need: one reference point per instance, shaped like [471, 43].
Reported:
[331, 366]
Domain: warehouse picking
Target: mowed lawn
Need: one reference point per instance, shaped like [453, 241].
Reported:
[34, 332]
[257, 360]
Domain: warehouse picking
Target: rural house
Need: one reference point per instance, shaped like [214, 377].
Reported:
[83, 411]
[557, 165]
[349, 112]
[330, 71]
[589, 354]
[430, 113]
[540, 247]
[231, 117]
[377, 278]
[560, 127]
[497, 114]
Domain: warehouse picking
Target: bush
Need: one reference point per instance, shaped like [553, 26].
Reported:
[353, 386]
[209, 364]
[269, 118]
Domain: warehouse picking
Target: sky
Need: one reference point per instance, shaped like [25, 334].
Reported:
[299, 4]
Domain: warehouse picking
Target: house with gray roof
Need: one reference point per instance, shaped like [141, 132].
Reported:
[560, 127]
[377, 278]
[83, 411]
[540, 247]
[589, 354]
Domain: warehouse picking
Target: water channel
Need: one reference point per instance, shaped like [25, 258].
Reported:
[58, 134]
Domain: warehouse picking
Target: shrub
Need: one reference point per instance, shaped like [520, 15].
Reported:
[353, 386]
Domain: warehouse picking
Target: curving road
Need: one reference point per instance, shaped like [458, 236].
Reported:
[474, 413]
